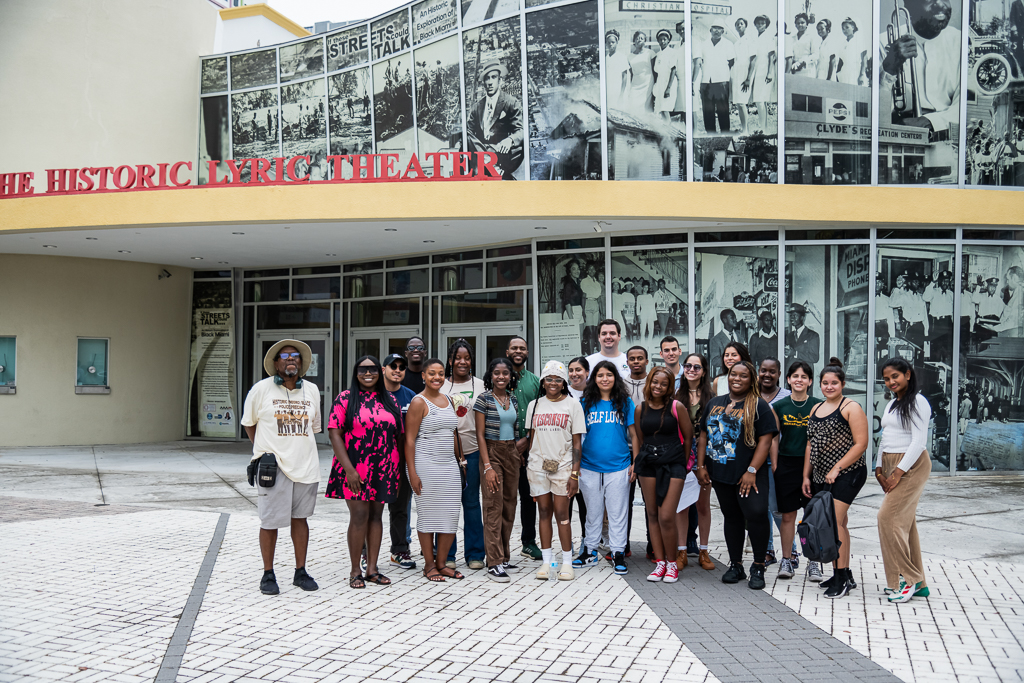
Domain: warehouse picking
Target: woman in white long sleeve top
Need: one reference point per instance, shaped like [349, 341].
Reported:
[902, 470]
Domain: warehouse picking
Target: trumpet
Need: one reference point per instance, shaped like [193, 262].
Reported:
[904, 100]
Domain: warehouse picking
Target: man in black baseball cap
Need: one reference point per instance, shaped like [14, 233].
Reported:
[395, 367]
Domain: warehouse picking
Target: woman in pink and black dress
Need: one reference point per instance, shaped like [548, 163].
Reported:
[365, 427]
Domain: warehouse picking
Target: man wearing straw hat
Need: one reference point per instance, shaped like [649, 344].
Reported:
[281, 415]
[495, 122]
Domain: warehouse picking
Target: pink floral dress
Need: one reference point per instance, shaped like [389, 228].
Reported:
[372, 445]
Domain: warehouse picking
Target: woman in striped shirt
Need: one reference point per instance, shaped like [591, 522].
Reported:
[496, 410]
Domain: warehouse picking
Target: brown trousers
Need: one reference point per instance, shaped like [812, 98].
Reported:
[897, 521]
[499, 508]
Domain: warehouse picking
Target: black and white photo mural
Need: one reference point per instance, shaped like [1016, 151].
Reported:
[438, 102]
[255, 121]
[304, 126]
[571, 297]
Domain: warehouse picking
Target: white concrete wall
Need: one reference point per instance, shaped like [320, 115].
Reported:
[249, 32]
[50, 301]
[88, 83]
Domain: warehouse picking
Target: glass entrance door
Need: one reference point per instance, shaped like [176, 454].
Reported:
[489, 341]
[376, 341]
[320, 370]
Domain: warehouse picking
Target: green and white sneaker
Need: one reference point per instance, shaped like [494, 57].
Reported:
[904, 593]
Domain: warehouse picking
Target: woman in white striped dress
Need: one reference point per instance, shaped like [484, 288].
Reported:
[430, 454]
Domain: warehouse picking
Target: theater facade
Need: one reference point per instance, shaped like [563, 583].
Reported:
[482, 170]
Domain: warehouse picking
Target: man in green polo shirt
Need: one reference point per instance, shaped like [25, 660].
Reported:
[527, 388]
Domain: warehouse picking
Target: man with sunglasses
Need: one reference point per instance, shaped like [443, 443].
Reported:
[400, 511]
[281, 415]
[415, 354]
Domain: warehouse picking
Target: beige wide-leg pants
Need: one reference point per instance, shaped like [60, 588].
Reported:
[897, 521]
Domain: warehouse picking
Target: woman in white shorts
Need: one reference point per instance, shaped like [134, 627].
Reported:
[555, 423]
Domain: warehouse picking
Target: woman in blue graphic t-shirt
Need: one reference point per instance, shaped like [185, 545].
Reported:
[607, 463]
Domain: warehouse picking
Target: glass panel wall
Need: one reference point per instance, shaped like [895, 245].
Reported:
[914, 321]
[649, 298]
[571, 301]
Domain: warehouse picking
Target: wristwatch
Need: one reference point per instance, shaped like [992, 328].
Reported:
[751, 470]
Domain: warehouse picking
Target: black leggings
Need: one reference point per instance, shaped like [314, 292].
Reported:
[744, 515]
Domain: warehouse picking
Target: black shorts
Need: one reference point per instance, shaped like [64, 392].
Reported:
[789, 480]
[846, 486]
[676, 470]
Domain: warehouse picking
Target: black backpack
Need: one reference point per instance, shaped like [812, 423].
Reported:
[819, 533]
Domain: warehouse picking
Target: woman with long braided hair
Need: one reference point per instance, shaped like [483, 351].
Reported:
[732, 454]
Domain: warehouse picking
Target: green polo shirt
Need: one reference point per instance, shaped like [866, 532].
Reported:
[526, 390]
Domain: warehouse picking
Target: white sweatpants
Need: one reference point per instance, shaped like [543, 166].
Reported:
[604, 491]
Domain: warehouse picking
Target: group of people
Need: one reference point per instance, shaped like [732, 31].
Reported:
[645, 308]
[587, 432]
[644, 80]
[841, 56]
[994, 159]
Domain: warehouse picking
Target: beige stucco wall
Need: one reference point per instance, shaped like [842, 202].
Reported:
[50, 301]
[89, 83]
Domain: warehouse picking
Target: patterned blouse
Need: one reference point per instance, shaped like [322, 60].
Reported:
[488, 405]
[831, 439]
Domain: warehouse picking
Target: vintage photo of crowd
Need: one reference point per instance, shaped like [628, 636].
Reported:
[649, 297]
[645, 70]
[255, 121]
[349, 106]
[214, 77]
[253, 69]
[563, 77]
[304, 126]
[438, 97]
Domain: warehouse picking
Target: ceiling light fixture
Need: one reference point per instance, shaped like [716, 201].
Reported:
[93, 239]
[390, 229]
[49, 246]
[428, 241]
[541, 227]
[223, 263]
[330, 254]
[196, 258]
[238, 233]
[123, 251]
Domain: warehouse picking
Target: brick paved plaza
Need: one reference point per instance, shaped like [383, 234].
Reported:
[140, 563]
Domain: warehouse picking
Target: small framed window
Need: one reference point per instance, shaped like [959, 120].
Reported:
[814, 104]
[8, 360]
[92, 370]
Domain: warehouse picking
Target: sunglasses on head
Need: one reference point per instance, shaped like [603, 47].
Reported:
[284, 356]
[366, 370]
[395, 365]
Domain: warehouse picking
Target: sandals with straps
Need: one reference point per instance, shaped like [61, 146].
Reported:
[356, 581]
[433, 575]
[378, 579]
[455, 573]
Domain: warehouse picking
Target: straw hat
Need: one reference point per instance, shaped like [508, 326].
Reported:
[302, 347]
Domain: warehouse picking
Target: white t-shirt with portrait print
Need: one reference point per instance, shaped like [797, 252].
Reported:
[554, 423]
[285, 422]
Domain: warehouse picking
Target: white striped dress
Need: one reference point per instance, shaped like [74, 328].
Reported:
[438, 507]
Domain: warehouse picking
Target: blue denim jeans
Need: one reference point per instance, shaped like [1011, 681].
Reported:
[472, 515]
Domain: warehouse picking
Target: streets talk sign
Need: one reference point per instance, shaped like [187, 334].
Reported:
[359, 168]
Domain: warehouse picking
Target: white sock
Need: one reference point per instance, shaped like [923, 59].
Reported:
[682, 547]
[567, 556]
[546, 555]
[703, 547]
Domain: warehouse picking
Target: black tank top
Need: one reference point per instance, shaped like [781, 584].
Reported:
[658, 425]
[831, 439]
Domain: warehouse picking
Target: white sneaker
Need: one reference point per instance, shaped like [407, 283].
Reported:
[566, 573]
[543, 573]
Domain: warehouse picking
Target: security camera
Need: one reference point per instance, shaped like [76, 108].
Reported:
[163, 274]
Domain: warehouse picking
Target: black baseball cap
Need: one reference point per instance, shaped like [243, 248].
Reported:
[393, 357]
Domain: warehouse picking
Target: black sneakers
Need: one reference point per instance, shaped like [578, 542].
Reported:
[268, 584]
[756, 577]
[734, 574]
[304, 580]
[497, 573]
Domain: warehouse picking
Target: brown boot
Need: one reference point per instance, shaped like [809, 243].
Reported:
[681, 559]
[705, 560]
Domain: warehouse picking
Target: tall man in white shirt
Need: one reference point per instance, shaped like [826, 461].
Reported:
[938, 298]
[609, 334]
[936, 48]
[281, 415]
[712, 69]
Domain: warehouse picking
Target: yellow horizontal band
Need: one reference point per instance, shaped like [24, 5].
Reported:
[263, 10]
[511, 200]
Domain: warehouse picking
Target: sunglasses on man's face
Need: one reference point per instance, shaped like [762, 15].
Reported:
[366, 370]
[397, 366]
[416, 347]
[285, 356]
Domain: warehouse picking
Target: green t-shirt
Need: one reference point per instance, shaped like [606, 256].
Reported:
[793, 425]
[525, 391]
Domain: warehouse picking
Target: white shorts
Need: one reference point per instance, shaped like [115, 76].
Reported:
[285, 501]
[542, 483]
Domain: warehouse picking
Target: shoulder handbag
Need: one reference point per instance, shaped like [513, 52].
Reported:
[459, 457]
[691, 457]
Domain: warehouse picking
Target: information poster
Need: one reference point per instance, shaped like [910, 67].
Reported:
[559, 339]
[212, 363]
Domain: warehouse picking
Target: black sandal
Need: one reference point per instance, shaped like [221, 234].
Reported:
[378, 579]
[436, 577]
[356, 581]
[455, 573]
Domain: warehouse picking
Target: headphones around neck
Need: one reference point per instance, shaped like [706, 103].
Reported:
[278, 380]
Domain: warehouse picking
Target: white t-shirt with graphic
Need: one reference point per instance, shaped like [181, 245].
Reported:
[553, 424]
[285, 422]
[464, 409]
[619, 361]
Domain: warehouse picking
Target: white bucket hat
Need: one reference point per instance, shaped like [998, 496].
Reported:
[556, 368]
[302, 347]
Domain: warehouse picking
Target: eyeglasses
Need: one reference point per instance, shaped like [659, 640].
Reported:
[366, 370]
[693, 366]
[284, 356]
[416, 347]
[397, 366]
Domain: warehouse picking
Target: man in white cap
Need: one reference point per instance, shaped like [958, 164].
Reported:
[281, 415]
[496, 122]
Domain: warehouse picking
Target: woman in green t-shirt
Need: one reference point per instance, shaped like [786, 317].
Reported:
[792, 413]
